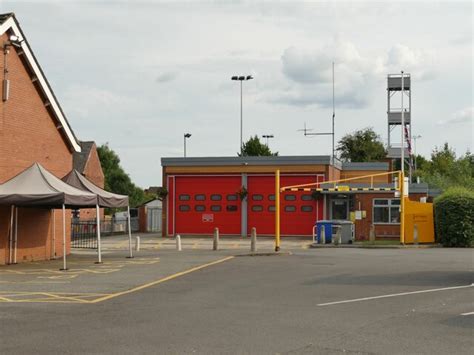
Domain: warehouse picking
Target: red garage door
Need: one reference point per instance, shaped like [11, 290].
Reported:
[299, 210]
[204, 202]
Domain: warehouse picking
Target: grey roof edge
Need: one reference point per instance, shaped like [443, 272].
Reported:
[382, 166]
[237, 161]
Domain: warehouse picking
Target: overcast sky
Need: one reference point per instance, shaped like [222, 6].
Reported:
[138, 75]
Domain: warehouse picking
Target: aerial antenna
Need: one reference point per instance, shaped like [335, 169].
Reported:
[305, 130]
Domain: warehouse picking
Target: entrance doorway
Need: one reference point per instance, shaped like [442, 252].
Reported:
[339, 208]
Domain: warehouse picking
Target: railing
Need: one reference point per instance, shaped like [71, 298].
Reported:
[84, 232]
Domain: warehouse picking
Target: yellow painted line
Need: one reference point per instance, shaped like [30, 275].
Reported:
[168, 278]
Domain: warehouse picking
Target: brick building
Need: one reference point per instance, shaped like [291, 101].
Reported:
[33, 128]
[204, 193]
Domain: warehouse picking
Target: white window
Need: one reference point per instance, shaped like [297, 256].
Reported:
[386, 211]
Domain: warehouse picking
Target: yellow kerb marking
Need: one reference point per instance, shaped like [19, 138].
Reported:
[171, 277]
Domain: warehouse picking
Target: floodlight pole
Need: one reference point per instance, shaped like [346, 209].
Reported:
[241, 79]
[186, 135]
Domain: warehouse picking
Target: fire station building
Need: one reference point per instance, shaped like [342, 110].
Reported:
[236, 194]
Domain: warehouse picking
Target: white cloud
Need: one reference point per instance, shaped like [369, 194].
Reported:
[418, 62]
[357, 75]
[459, 117]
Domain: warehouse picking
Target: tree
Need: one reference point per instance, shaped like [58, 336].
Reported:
[444, 170]
[116, 180]
[361, 146]
[253, 148]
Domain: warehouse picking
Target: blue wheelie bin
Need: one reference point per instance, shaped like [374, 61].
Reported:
[327, 226]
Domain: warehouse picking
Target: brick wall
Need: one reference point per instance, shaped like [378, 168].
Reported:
[28, 134]
[362, 227]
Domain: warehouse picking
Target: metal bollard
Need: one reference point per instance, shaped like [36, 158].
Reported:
[322, 236]
[178, 242]
[372, 233]
[253, 240]
[137, 243]
[415, 234]
[215, 244]
[338, 238]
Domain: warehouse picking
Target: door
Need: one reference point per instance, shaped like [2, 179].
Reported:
[298, 210]
[340, 208]
[205, 202]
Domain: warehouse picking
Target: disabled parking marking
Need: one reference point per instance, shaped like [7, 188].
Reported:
[90, 298]
[48, 297]
[167, 278]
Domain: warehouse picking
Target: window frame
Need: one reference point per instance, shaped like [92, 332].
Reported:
[185, 210]
[387, 206]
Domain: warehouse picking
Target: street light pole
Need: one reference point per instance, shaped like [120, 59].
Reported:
[186, 135]
[267, 136]
[241, 79]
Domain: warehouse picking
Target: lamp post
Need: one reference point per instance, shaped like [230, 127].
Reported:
[241, 79]
[267, 136]
[186, 135]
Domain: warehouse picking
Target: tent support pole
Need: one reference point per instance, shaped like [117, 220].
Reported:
[16, 236]
[99, 247]
[64, 239]
[129, 233]
[54, 234]
[10, 239]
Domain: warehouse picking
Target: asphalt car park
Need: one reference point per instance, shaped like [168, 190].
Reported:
[212, 302]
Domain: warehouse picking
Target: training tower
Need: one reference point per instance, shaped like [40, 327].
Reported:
[399, 100]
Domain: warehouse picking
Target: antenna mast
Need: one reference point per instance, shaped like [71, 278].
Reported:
[305, 130]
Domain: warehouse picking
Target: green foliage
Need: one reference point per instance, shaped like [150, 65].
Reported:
[444, 170]
[116, 180]
[454, 217]
[253, 148]
[242, 193]
[161, 193]
[361, 146]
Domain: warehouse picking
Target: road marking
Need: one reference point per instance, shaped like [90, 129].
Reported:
[395, 295]
[468, 314]
[153, 283]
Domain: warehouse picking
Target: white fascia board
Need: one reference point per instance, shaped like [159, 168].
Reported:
[10, 24]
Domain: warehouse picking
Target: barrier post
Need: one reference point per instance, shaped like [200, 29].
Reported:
[253, 240]
[277, 210]
[401, 180]
[137, 243]
[215, 243]
[178, 242]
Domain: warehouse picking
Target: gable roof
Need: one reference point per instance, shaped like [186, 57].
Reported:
[9, 24]
[79, 159]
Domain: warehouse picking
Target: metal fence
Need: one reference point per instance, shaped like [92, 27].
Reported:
[84, 232]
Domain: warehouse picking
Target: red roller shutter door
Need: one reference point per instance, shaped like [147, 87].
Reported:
[298, 210]
[205, 202]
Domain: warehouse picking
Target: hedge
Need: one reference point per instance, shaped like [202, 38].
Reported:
[454, 217]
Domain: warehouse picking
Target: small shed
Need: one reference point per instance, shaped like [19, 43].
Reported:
[150, 215]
